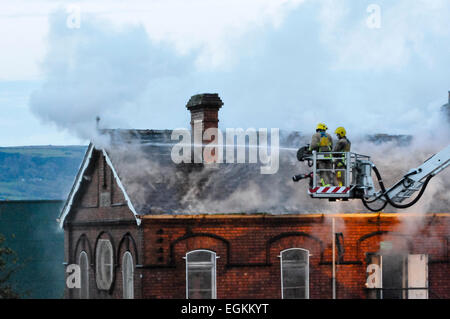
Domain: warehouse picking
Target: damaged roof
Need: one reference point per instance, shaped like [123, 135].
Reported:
[153, 184]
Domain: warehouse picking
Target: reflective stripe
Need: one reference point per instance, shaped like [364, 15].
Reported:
[329, 190]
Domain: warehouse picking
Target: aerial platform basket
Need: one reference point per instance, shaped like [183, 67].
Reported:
[354, 169]
[355, 178]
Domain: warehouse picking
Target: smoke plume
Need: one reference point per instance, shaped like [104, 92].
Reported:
[104, 70]
[96, 70]
[159, 186]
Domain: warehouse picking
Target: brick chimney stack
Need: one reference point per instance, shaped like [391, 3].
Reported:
[204, 110]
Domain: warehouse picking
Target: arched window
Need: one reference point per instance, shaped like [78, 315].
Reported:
[83, 262]
[295, 273]
[128, 275]
[201, 274]
[104, 264]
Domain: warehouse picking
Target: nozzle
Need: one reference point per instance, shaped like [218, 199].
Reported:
[299, 177]
[303, 153]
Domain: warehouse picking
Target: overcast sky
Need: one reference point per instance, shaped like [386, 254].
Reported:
[371, 66]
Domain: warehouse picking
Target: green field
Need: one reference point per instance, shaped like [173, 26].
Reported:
[38, 172]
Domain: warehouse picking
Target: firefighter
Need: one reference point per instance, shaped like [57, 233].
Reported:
[342, 145]
[321, 141]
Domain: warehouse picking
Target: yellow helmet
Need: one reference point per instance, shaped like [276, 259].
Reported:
[341, 131]
[321, 126]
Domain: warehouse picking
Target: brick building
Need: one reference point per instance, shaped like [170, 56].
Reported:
[141, 226]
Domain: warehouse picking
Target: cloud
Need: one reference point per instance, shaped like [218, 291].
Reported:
[212, 29]
[94, 71]
[407, 30]
[286, 64]
[105, 64]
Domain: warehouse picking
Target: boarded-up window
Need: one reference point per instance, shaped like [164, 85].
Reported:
[418, 276]
[104, 264]
[295, 274]
[105, 199]
[201, 274]
[84, 274]
[397, 276]
[128, 275]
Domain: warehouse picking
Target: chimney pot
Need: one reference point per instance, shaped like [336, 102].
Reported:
[205, 100]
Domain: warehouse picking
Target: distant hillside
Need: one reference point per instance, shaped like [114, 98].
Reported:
[38, 172]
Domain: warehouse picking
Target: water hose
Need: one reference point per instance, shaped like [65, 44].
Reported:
[388, 199]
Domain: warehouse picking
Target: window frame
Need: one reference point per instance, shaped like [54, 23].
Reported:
[130, 263]
[213, 263]
[306, 270]
[83, 254]
[406, 289]
[99, 266]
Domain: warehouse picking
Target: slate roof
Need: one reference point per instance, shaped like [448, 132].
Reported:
[155, 184]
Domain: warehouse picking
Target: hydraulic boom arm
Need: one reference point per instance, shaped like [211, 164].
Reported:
[415, 180]
[355, 178]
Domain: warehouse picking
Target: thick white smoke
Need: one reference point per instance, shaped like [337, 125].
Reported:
[101, 70]
[96, 70]
[151, 179]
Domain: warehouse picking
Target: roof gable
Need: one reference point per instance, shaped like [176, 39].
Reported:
[88, 158]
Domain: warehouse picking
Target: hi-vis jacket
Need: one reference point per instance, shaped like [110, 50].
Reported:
[321, 142]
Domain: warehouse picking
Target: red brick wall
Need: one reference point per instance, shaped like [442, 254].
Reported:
[248, 247]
